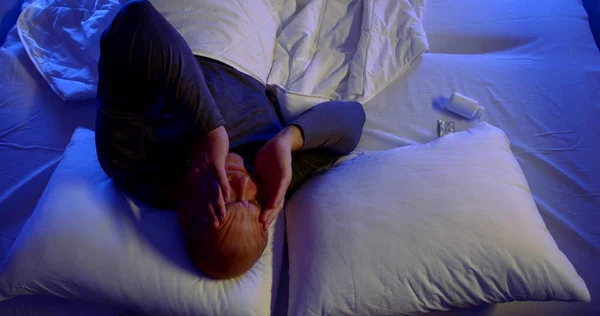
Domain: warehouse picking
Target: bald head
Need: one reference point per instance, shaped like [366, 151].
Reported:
[235, 245]
[233, 248]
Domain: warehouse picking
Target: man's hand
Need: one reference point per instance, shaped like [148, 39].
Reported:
[209, 188]
[273, 165]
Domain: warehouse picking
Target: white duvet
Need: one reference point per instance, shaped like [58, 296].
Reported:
[334, 49]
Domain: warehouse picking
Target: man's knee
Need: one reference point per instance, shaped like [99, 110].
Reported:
[121, 32]
[132, 13]
[135, 8]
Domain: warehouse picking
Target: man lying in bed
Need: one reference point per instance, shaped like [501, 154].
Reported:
[189, 133]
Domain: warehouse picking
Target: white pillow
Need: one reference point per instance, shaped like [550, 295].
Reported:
[87, 241]
[415, 229]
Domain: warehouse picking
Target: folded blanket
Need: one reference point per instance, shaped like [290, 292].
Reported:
[335, 49]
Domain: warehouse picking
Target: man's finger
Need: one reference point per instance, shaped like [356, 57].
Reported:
[278, 198]
[219, 202]
[211, 195]
[270, 220]
[213, 216]
[273, 194]
[274, 205]
[265, 215]
[271, 215]
[266, 224]
[224, 184]
[279, 204]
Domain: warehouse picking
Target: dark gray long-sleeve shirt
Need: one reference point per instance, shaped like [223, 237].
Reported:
[155, 98]
[330, 129]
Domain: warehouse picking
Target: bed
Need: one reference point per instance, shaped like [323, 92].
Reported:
[533, 64]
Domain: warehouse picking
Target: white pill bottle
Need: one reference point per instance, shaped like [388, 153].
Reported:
[465, 107]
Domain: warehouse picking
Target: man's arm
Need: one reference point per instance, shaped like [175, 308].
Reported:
[335, 126]
[153, 102]
[314, 140]
[321, 135]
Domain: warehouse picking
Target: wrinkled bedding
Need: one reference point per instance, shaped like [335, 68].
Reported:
[342, 49]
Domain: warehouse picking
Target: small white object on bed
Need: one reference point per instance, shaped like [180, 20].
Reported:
[423, 228]
[86, 240]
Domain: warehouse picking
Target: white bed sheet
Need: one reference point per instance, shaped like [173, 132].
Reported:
[533, 64]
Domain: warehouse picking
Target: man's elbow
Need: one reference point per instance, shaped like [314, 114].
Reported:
[356, 119]
[358, 123]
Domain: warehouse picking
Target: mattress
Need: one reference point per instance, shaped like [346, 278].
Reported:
[532, 64]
